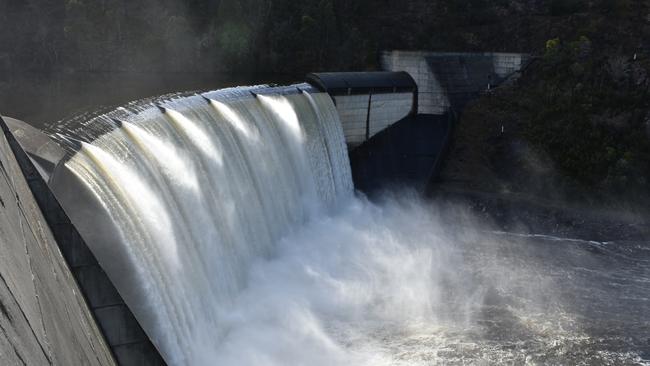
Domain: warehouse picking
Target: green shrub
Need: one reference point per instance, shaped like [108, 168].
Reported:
[552, 49]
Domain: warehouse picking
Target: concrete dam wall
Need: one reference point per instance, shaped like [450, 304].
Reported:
[38, 157]
[44, 319]
[85, 171]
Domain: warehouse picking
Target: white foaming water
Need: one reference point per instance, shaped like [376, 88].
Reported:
[401, 284]
[201, 189]
[340, 290]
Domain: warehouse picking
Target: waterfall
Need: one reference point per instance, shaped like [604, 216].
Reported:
[198, 187]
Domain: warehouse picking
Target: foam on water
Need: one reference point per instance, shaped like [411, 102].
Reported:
[399, 284]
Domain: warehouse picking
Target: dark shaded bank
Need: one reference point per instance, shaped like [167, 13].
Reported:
[582, 138]
[575, 127]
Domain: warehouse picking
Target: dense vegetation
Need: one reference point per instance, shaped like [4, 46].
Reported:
[271, 36]
[175, 35]
[577, 125]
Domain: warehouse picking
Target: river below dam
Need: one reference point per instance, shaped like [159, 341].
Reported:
[408, 283]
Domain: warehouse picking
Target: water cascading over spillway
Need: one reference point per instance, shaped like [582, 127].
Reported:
[193, 189]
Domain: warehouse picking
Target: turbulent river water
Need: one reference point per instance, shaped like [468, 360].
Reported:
[245, 244]
[406, 283]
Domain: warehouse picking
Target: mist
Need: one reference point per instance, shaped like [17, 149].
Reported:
[406, 283]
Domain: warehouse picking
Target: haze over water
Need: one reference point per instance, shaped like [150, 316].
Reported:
[404, 283]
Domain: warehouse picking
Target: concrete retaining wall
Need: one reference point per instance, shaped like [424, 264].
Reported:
[44, 319]
[432, 98]
[447, 79]
[124, 335]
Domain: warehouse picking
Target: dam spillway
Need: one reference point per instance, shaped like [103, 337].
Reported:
[186, 192]
[74, 167]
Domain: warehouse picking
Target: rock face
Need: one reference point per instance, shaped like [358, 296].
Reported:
[44, 319]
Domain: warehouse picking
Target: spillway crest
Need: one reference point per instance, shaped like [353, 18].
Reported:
[177, 197]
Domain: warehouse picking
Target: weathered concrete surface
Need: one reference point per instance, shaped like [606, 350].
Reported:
[41, 150]
[448, 79]
[43, 317]
[124, 335]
